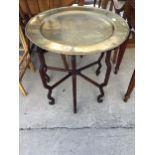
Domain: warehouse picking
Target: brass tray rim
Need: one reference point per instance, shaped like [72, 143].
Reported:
[83, 50]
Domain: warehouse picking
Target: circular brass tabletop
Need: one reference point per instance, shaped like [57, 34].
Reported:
[77, 30]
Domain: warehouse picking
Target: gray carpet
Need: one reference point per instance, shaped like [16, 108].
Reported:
[35, 112]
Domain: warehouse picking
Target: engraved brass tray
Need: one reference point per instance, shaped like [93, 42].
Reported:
[77, 30]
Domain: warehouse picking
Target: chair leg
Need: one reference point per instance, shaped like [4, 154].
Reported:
[121, 52]
[31, 65]
[64, 61]
[130, 87]
[120, 55]
[22, 89]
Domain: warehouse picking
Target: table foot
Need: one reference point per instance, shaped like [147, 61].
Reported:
[98, 72]
[126, 97]
[99, 64]
[52, 100]
[100, 97]
[116, 70]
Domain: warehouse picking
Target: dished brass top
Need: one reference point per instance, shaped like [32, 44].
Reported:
[77, 30]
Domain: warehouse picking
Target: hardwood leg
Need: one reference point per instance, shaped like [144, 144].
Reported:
[45, 74]
[99, 4]
[99, 64]
[111, 5]
[120, 55]
[114, 58]
[131, 41]
[130, 87]
[94, 3]
[104, 3]
[81, 2]
[43, 67]
[64, 61]
[100, 97]
[45, 78]
[73, 59]
[108, 71]
[22, 89]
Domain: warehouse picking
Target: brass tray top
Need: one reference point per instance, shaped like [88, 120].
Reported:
[77, 30]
